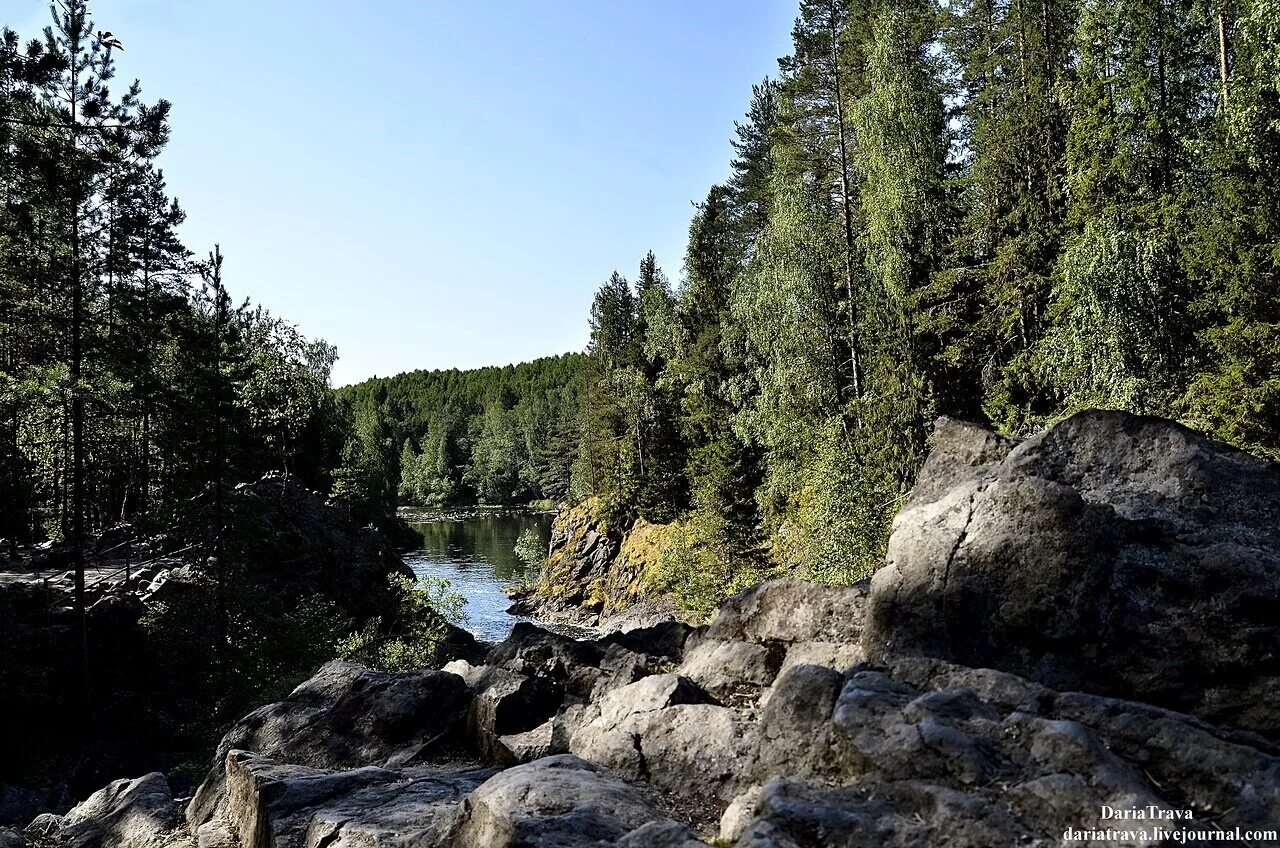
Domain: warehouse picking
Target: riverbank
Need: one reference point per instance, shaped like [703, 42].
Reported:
[418, 514]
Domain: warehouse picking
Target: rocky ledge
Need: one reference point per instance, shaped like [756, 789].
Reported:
[1080, 622]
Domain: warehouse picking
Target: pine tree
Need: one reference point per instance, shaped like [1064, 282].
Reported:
[1231, 254]
[820, 81]
[723, 469]
[753, 161]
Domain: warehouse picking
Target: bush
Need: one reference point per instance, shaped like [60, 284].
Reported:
[208, 676]
[412, 636]
[531, 548]
[698, 568]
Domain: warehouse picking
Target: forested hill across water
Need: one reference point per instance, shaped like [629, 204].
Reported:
[499, 435]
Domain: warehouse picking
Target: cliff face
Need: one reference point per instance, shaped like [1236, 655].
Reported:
[1082, 622]
[595, 571]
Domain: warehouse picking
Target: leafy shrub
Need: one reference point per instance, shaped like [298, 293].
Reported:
[698, 568]
[412, 636]
[531, 548]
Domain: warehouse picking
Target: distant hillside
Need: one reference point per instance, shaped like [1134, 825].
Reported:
[496, 435]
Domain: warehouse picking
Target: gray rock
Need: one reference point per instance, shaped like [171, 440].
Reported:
[666, 638]
[273, 805]
[727, 668]
[44, 827]
[621, 666]
[216, 834]
[644, 615]
[934, 753]
[543, 741]
[533, 651]
[959, 449]
[12, 838]
[648, 695]
[739, 815]
[789, 622]
[663, 729]
[793, 813]
[125, 814]
[666, 834]
[551, 803]
[792, 611]
[345, 716]
[836, 655]
[1111, 553]
[504, 702]
[792, 736]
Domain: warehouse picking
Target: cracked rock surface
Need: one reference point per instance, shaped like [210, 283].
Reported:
[1111, 553]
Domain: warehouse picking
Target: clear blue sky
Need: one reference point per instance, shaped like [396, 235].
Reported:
[430, 184]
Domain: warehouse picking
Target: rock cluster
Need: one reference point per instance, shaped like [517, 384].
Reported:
[974, 693]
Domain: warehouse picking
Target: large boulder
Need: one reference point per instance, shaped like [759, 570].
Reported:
[923, 752]
[558, 802]
[124, 814]
[504, 703]
[274, 805]
[1111, 553]
[585, 669]
[665, 730]
[345, 717]
[772, 626]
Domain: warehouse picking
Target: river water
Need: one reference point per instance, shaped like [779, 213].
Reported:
[475, 551]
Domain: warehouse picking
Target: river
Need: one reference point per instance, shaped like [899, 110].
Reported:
[474, 550]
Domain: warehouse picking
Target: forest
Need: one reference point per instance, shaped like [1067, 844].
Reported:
[501, 435]
[136, 394]
[130, 380]
[1003, 212]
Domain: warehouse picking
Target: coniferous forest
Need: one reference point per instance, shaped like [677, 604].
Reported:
[1003, 211]
[999, 211]
[136, 395]
[131, 379]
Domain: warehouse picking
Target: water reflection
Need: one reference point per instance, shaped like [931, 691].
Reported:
[474, 551]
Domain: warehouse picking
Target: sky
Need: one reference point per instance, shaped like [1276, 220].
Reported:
[431, 184]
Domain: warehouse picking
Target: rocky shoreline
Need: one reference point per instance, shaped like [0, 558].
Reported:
[1081, 622]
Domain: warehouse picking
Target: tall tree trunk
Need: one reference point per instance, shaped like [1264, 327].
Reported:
[77, 365]
[220, 317]
[144, 484]
[846, 203]
[1223, 69]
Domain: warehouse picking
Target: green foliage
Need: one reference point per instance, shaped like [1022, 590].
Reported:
[440, 438]
[266, 649]
[127, 380]
[531, 548]
[999, 211]
[698, 567]
[412, 635]
[630, 450]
